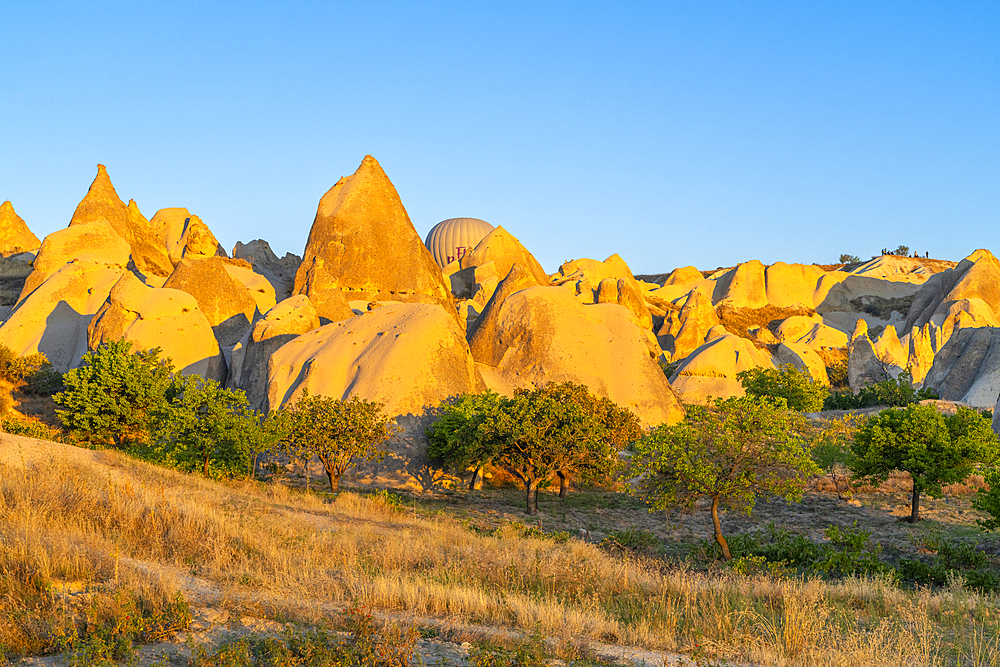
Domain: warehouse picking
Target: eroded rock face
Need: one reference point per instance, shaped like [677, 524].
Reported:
[504, 250]
[709, 372]
[53, 317]
[101, 204]
[15, 237]
[977, 277]
[95, 243]
[685, 330]
[225, 301]
[259, 287]
[529, 336]
[610, 281]
[286, 321]
[967, 368]
[156, 317]
[362, 245]
[184, 235]
[280, 272]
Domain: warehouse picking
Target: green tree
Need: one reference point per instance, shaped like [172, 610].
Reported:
[793, 384]
[207, 426]
[849, 259]
[462, 437]
[337, 432]
[116, 395]
[934, 449]
[988, 500]
[728, 453]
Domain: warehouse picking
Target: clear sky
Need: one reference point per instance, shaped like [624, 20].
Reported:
[672, 133]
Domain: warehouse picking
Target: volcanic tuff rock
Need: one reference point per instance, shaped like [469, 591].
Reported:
[588, 277]
[802, 356]
[286, 321]
[504, 250]
[685, 330]
[101, 204]
[975, 277]
[53, 317]
[95, 243]
[259, 287]
[184, 235]
[967, 368]
[279, 272]
[362, 244]
[15, 237]
[225, 301]
[151, 317]
[528, 336]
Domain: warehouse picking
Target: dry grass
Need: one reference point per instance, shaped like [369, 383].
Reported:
[739, 320]
[70, 515]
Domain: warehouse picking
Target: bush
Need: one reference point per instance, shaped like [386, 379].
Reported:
[893, 393]
[953, 559]
[635, 540]
[849, 259]
[794, 385]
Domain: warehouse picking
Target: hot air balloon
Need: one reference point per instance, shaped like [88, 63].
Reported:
[454, 238]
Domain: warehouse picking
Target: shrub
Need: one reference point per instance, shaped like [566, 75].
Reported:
[893, 393]
[794, 385]
[635, 540]
[851, 552]
[849, 259]
[953, 558]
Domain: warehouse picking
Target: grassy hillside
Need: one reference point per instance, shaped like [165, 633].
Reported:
[92, 537]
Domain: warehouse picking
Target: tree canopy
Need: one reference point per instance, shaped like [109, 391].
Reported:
[729, 452]
[795, 385]
[337, 432]
[935, 449]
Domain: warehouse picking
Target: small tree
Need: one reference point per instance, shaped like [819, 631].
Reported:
[462, 437]
[206, 426]
[116, 394]
[933, 448]
[793, 384]
[728, 453]
[901, 250]
[337, 432]
[850, 259]
[988, 500]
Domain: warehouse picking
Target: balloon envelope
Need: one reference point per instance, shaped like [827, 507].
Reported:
[454, 238]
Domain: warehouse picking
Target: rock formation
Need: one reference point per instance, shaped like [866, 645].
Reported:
[259, 287]
[286, 321]
[504, 250]
[967, 368]
[279, 272]
[184, 235]
[15, 237]
[529, 336]
[685, 330]
[225, 301]
[101, 204]
[155, 317]
[710, 371]
[362, 245]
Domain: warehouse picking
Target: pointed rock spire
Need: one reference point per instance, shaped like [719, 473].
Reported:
[103, 204]
[363, 244]
[15, 237]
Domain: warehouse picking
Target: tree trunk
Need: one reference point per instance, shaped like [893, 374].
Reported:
[334, 480]
[528, 486]
[915, 504]
[204, 469]
[563, 484]
[718, 530]
[475, 477]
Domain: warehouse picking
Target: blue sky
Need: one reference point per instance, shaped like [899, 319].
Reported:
[671, 133]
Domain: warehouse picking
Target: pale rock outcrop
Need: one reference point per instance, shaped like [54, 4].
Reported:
[102, 204]
[975, 277]
[504, 250]
[610, 281]
[792, 285]
[96, 243]
[289, 319]
[921, 346]
[811, 331]
[260, 288]
[154, 317]
[802, 356]
[184, 235]
[868, 363]
[280, 272]
[743, 287]
[709, 372]
[52, 318]
[685, 275]
[685, 330]
[967, 367]
[363, 245]
[224, 300]
[15, 237]
[530, 336]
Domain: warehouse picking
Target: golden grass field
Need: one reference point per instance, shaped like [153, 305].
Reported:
[75, 519]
